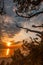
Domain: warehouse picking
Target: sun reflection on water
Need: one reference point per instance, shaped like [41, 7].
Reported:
[7, 52]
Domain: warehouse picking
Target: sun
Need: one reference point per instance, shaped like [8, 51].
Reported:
[8, 50]
[9, 43]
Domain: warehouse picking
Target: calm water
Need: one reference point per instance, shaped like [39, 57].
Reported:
[6, 52]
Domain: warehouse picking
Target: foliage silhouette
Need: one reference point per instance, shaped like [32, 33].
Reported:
[29, 7]
[3, 62]
[35, 56]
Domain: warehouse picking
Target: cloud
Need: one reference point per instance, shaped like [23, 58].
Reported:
[9, 20]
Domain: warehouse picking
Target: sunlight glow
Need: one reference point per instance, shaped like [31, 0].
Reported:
[7, 53]
[8, 43]
[8, 50]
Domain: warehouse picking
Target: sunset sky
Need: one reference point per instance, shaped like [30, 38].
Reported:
[9, 31]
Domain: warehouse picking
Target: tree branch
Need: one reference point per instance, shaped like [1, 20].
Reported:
[37, 26]
[29, 15]
[30, 30]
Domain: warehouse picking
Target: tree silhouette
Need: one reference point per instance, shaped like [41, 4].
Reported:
[36, 51]
[7, 63]
[35, 56]
[18, 57]
[3, 62]
[27, 6]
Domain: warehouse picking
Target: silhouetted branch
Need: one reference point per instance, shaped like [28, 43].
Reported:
[37, 26]
[38, 35]
[30, 30]
[36, 41]
[29, 15]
